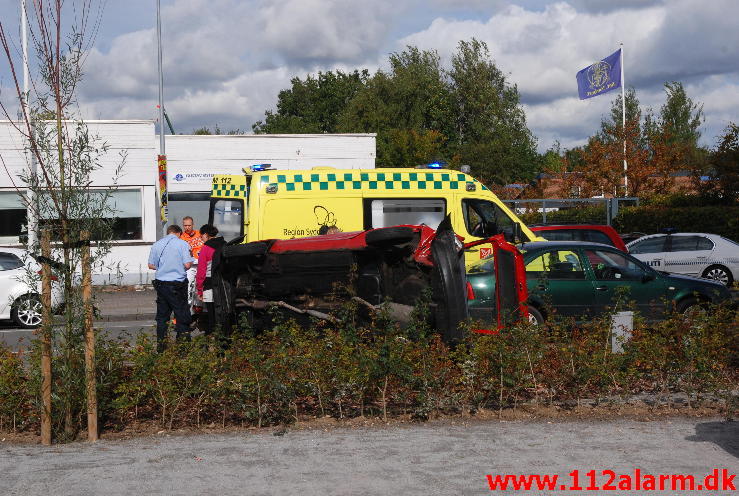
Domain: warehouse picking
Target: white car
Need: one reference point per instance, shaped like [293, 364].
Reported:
[20, 298]
[696, 254]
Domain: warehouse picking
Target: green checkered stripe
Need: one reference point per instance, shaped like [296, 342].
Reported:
[385, 181]
[235, 190]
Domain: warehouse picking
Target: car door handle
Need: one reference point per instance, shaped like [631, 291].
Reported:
[601, 288]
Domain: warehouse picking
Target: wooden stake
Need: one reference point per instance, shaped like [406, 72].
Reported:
[46, 338]
[92, 402]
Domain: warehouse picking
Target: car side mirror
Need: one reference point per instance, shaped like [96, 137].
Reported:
[647, 277]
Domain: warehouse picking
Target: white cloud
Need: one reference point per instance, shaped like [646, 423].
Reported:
[226, 60]
[542, 50]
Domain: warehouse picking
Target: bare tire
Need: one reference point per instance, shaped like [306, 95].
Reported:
[26, 311]
[718, 273]
[535, 316]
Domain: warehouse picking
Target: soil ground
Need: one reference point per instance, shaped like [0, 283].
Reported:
[366, 456]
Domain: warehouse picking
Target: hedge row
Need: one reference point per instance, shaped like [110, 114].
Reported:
[342, 370]
[651, 219]
[721, 220]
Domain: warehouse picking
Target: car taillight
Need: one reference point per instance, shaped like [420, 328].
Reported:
[470, 291]
[53, 277]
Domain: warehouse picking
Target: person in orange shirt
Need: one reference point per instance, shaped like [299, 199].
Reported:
[191, 237]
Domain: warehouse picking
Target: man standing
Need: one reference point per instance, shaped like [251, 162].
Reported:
[170, 257]
[192, 237]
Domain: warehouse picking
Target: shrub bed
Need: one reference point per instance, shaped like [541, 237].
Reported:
[650, 219]
[343, 370]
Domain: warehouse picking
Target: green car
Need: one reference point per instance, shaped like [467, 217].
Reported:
[581, 280]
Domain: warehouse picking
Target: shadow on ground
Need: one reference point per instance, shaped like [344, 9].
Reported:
[724, 434]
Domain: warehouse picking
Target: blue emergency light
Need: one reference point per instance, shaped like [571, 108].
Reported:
[433, 165]
[260, 167]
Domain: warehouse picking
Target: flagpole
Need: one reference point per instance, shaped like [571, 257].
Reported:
[623, 121]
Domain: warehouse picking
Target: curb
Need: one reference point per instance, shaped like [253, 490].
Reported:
[126, 317]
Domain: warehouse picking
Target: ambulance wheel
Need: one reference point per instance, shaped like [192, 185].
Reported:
[719, 273]
[390, 236]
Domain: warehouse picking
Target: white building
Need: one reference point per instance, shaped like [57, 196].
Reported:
[192, 161]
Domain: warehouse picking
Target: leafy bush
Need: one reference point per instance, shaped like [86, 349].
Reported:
[15, 399]
[344, 370]
[580, 215]
[721, 220]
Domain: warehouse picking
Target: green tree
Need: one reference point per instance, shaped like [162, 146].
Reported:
[612, 126]
[680, 116]
[217, 131]
[724, 167]
[313, 105]
[490, 132]
[408, 108]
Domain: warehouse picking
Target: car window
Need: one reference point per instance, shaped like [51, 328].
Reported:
[484, 265]
[649, 245]
[690, 243]
[612, 266]
[704, 244]
[9, 261]
[557, 234]
[596, 237]
[555, 264]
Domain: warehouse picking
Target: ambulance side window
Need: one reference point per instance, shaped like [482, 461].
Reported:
[228, 217]
[484, 218]
[385, 212]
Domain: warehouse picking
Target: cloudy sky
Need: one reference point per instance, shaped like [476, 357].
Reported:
[226, 60]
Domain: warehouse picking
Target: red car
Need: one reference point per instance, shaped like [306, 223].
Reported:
[383, 270]
[592, 233]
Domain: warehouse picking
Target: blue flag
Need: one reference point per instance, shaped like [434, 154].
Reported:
[600, 77]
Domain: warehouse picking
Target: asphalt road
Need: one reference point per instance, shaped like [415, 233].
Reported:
[434, 458]
[15, 338]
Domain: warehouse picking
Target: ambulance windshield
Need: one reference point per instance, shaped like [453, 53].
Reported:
[228, 216]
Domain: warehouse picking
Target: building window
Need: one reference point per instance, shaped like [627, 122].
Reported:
[12, 217]
[125, 214]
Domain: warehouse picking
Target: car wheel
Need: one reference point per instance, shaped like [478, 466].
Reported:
[689, 307]
[719, 273]
[535, 316]
[26, 311]
[449, 286]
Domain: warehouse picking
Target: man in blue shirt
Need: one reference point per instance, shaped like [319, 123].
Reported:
[170, 257]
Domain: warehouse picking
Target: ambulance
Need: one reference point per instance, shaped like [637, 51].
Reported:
[264, 203]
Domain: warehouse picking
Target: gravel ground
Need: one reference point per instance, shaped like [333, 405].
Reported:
[432, 458]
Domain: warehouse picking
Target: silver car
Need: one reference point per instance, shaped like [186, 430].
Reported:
[697, 254]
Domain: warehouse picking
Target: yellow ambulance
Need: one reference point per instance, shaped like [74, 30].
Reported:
[264, 203]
